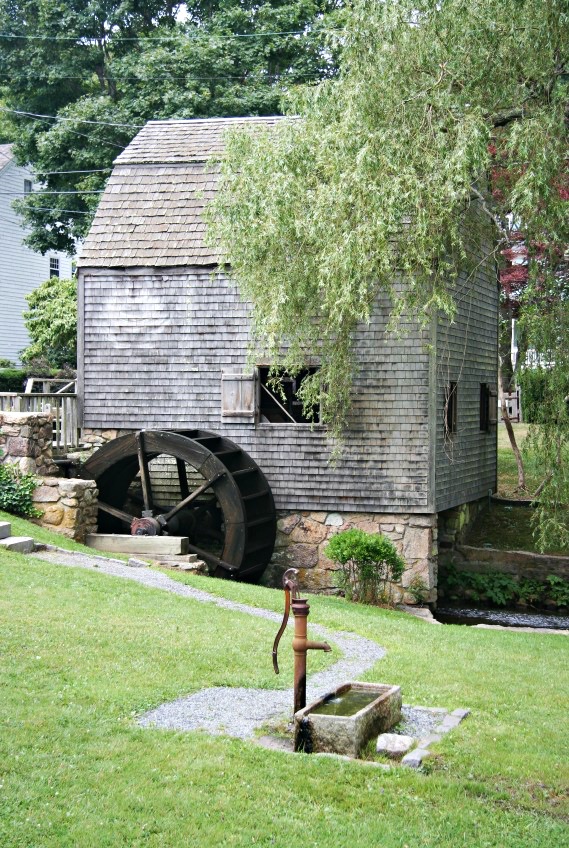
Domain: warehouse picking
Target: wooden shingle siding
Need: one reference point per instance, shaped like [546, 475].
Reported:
[160, 325]
[467, 353]
[157, 342]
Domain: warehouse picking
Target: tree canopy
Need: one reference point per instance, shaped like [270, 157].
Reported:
[51, 321]
[78, 79]
[437, 106]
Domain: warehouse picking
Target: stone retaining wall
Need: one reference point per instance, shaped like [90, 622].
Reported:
[519, 564]
[26, 441]
[302, 537]
[68, 506]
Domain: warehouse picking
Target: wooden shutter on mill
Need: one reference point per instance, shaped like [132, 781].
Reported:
[238, 396]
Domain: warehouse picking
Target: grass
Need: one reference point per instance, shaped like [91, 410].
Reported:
[507, 466]
[84, 653]
[22, 527]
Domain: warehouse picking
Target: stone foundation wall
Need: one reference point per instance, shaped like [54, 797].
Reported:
[453, 524]
[67, 506]
[302, 537]
[26, 441]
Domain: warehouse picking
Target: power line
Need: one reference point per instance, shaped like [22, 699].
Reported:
[72, 120]
[178, 36]
[42, 193]
[168, 77]
[39, 174]
[73, 132]
[55, 209]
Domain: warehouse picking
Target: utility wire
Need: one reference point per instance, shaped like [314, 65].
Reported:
[178, 36]
[72, 120]
[168, 77]
[42, 193]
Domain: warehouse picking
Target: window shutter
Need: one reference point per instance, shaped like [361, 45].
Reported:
[492, 405]
[238, 396]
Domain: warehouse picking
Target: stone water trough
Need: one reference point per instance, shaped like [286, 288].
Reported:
[345, 720]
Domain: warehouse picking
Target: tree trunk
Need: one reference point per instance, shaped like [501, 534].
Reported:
[511, 434]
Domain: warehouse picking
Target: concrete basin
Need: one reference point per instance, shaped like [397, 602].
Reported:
[344, 721]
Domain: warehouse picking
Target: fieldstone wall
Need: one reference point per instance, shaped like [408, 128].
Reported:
[518, 564]
[302, 537]
[26, 441]
[68, 506]
[453, 524]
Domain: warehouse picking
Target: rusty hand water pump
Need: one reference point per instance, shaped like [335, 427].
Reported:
[300, 643]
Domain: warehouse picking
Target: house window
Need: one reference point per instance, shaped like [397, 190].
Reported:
[279, 403]
[450, 409]
[27, 186]
[54, 266]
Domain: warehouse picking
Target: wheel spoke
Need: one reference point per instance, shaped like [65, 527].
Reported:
[183, 478]
[196, 493]
[116, 513]
[144, 473]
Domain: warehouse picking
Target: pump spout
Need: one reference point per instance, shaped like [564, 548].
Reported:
[317, 646]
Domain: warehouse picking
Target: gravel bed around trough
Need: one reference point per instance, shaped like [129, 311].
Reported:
[242, 712]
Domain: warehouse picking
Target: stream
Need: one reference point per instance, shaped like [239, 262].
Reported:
[503, 617]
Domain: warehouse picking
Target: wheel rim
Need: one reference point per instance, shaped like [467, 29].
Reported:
[234, 480]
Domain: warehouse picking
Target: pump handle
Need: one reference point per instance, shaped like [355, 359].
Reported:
[290, 586]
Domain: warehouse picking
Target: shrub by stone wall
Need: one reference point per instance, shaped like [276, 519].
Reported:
[302, 537]
[68, 506]
[26, 441]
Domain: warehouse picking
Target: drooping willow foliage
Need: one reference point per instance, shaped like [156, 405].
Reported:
[367, 188]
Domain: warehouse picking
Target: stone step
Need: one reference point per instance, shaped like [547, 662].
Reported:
[20, 544]
[5, 529]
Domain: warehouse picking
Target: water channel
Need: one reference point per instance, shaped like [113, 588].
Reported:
[503, 617]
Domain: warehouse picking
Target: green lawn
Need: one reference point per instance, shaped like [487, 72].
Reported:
[507, 466]
[83, 653]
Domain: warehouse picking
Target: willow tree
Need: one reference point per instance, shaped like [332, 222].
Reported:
[368, 188]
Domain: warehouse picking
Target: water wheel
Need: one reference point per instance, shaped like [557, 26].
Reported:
[191, 483]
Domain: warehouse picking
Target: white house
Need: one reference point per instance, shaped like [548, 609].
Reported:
[21, 269]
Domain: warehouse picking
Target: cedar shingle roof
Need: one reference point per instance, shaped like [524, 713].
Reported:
[151, 211]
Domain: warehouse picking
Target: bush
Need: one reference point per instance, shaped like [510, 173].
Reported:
[12, 379]
[501, 590]
[369, 563]
[533, 382]
[16, 491]
[52, 323]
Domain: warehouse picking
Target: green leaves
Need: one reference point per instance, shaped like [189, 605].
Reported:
[369, 562]
[379, 185]
[52, 323]
[122, 64]
[16, 491]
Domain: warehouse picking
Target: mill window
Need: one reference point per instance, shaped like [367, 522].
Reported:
[279, 402]
[450, 409]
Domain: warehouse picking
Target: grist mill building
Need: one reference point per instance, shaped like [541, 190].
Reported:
[163, 347]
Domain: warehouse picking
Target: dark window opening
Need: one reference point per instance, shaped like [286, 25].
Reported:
[27, 186]
[484, 407]
[280, 404]
[54, 266]
[450, 410]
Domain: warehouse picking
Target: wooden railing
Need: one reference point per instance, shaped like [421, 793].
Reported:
[63, 407]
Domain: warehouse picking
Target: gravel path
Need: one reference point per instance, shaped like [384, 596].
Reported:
[233, 712]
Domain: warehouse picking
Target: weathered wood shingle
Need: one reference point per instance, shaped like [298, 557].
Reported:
[150, 214]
